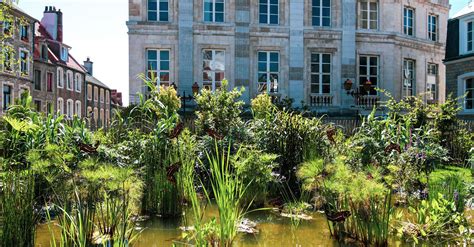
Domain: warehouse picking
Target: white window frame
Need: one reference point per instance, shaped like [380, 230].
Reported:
[214, 83]
[406, 27]
[321, 74]
[433, 35]
[107, 96]
[60, 77]
[213, 12]
[429, 90]
[268, 22]
[89, 91]
[70, 108]
[60, 106]
[158, 14]
[368, 75]
[52, 81]
[27, 28]
[27, 62]
[270, 86]
[64, 53]
[78, 108]
[70, 80]
[465, 35]
[369, 20]
[321, 17]
[101, 95]
[405, 87]
[78, 82]
[158, 69]
[96, 93]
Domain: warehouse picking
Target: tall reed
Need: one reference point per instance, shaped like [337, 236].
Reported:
[18, 219]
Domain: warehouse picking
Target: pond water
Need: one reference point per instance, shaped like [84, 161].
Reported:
[274, 231]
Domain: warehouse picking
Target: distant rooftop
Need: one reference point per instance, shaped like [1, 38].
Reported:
[466, 10]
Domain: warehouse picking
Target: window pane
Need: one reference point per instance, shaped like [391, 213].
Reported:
[262, 56]
[152, 5]
[273, 19]
[219, 17]
[273, 67]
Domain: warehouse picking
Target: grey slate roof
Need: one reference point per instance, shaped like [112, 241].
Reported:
[95, 81]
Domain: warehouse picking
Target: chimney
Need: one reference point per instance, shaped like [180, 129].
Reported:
[89, 65]
[53, 22]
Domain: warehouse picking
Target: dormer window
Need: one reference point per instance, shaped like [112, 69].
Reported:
[44, 52]
[64, 54]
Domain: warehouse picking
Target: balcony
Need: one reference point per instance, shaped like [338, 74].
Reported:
[321, 100]
[367, 101]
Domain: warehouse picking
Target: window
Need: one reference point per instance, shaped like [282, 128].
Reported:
[107, 117]
[268, 11]
[49, 82]
[49, 108]
[469, 101]
[24, 63]
[431, 83]
[89, 92]
[64, 54]
[320, 73]
[369, 14]
[38, 105]
[101, 117]
[321, 10]
[409, 21]
[470, 37]
[101, 95]
[159, 66]
[89, 112]
[268, 71]
[77, 82]
[60, 78]
[78, 108]
[158, 10]
[7, 28]
[7, 56]
[24, 34]
[96, 94]
[44, 52]
[368, 72]
[60, 106]
[107, 97]
[433, 27]
[69, 80]
[214, 10]
[69, 108]
[7, 96]
[213, 71]
[37, 81]
[95, 116]
[409, 77]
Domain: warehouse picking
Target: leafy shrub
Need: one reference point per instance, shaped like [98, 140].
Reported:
[220, 111]
[255, 168]
[452, 183]
[437, 218]
[262, 106]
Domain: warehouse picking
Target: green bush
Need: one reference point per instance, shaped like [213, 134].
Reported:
[220, 111]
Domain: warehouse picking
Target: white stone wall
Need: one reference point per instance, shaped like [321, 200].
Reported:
[295, 39]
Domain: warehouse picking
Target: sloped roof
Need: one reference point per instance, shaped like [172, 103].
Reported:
[469, 9]
[95, 81]
[42, 35]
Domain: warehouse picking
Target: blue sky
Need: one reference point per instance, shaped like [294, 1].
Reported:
[96, 29]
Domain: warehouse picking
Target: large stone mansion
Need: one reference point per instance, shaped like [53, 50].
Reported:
[328, 54]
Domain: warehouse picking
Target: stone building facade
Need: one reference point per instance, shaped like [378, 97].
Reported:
[460, 59]
[16, 67]
[58, 78]
[307, 50]
[98, 102]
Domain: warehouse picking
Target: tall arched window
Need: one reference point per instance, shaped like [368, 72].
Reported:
[69, 80]
[60, 106]
[78, 108]
[70, 108]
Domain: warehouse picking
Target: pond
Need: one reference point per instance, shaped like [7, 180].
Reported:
[274, 231]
